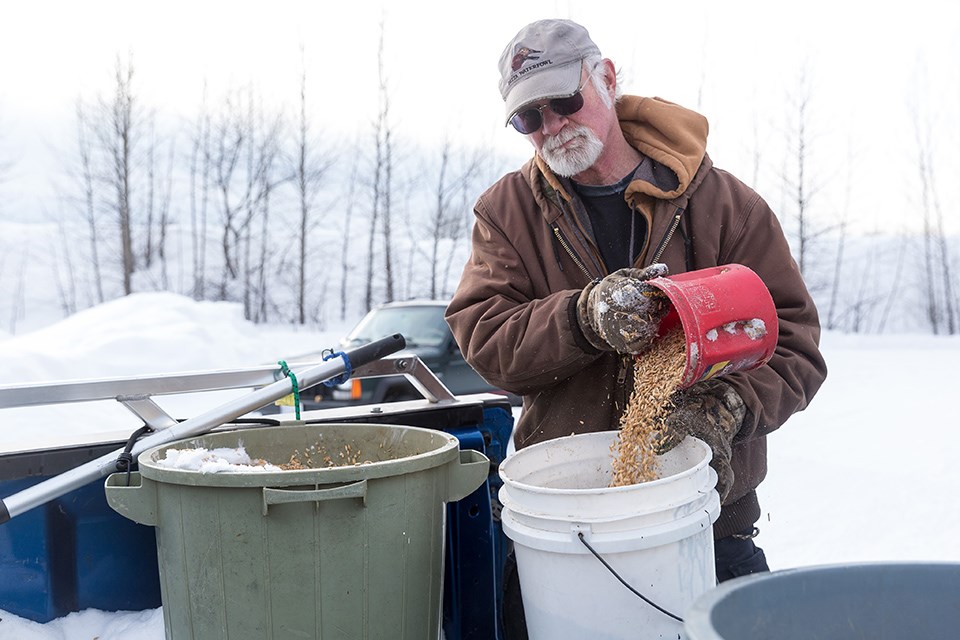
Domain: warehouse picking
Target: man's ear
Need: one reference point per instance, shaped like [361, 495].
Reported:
[610, 76]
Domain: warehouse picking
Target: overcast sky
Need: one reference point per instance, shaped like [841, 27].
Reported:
[737, 62]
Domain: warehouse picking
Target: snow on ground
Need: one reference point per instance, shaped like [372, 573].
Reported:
[867, 473]
[140, 335]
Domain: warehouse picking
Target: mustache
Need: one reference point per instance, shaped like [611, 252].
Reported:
[553, 143]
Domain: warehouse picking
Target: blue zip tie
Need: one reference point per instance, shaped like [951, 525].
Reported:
[348, 368]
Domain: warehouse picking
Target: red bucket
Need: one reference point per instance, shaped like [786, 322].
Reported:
[728, 318]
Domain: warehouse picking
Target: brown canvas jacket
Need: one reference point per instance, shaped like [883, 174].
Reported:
[513, 313]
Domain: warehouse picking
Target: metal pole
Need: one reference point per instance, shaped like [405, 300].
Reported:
[77, 477]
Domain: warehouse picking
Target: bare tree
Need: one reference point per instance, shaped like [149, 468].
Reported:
[155, 204]
[832, 308]
[799, 183]
[244, 154]
[125, 189]
[441, 214]
[311, 167]
[940, 301]
[18, 298]
[149, 201]
[230, 137]
[256, 297]
[200, 190]
[65, 275]
[6, 166]
[164, 219]
[381, 186]
[119, 137]
[895, 284]
[800, 186]
[263, 160]
[345, 240]
[459, 233]
[451, 214]
[87, 181]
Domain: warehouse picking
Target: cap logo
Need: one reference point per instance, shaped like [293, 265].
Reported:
[523, 54]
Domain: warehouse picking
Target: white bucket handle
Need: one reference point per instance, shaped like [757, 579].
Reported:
[616, 575]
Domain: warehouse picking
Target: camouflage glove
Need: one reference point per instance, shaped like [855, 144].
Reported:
[622, 312]
[713, 411]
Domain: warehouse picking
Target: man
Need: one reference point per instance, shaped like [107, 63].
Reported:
[620, 190]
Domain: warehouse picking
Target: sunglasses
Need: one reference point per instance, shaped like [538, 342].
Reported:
[530, 120]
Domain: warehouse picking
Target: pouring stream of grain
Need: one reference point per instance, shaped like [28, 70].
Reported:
[657, 374]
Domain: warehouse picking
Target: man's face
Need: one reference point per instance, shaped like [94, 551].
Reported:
[572, 144]
[573, 150]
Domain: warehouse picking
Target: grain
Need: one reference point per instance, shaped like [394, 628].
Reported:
[657, 374]
[316, 457]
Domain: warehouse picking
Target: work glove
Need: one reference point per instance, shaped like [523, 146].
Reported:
[622, 312]
[712, 411]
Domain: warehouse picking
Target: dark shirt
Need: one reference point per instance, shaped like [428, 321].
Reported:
[614, 223]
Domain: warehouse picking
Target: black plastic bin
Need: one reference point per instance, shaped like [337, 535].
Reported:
[874, 601]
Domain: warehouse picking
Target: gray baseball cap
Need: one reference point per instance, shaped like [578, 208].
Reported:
[543, 61]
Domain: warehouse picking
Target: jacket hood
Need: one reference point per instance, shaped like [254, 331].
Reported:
[666, 133]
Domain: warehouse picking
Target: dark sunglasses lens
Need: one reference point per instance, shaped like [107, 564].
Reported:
[530, 120]
[567, 106]
[527, 122]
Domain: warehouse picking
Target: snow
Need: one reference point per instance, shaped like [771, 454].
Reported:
[867, 473]
[139, 335]
[755, 329]
[87, 625]
[218, 460]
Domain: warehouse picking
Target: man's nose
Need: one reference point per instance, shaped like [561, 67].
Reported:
[552, 123]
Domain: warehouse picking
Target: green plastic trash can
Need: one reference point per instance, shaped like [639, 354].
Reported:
[872, 601]
[337, 552]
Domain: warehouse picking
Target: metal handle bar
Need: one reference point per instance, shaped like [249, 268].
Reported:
[77, 477]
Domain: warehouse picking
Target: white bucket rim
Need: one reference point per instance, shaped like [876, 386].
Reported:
[520, 508]
[620, 541]
[536, 489]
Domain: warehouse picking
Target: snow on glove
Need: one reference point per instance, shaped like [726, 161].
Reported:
[713, 411]
[622, 312]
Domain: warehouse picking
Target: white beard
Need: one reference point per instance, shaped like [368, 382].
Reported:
[574, 158]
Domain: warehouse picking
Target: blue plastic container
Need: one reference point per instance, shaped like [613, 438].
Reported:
[897, 601]
[75, 553]
[476, 544]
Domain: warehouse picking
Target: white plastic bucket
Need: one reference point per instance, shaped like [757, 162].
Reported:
[656, 535]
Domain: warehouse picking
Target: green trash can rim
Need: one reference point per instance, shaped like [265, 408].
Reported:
[444, 448]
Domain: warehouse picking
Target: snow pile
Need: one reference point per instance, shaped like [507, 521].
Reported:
[87, 625]
[142, 334]
[139, 334]
[214, 460]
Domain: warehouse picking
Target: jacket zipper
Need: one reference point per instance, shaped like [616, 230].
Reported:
[570, 252]
[668, 235]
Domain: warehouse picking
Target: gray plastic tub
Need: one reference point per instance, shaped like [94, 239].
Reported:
[878, 601]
